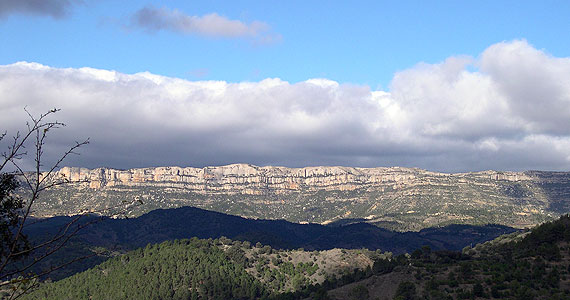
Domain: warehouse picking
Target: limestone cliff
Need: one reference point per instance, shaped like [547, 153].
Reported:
[395, 197]
[250, 179]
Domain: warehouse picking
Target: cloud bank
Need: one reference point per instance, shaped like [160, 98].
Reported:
[508, 109]
[211, 25]
[53, 8]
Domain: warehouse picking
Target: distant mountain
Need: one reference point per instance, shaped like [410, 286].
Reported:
[186, 222]
[393, 198]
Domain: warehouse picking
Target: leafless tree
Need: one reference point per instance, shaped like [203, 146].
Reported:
[18, 256]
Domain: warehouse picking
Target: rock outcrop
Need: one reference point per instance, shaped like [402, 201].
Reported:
[250, 179]
[395, 198]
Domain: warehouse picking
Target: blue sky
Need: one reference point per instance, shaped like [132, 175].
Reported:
[362, 42]
[442, 85]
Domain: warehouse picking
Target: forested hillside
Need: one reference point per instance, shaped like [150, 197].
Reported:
[533, 265]
[530, 265]
[210, 269]
[109, 237]
[171, 270]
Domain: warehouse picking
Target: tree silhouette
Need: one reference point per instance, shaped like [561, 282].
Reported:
[19, 190]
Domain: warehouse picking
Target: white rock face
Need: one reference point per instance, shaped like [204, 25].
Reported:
[250, 179]
[403, 198]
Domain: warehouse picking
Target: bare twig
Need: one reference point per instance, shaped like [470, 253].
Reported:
[36, 182]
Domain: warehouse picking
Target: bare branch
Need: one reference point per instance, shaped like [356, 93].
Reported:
[19, 141]
[34, 278]
[36, 182]
[49, 250]
[63, 157]
[62, 236]
[59, 235]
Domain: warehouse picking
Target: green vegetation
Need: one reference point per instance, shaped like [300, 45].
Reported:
[213, 269]
[533, 265]
[10, 219]
[424, 200]
[186, 269]
[406, 291]
[108, 237]
[529, 265]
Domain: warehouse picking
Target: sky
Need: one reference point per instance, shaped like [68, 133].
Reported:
[450, 86]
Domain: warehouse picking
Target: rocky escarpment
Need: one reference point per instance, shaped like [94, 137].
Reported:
[250, 179]
[395, 198]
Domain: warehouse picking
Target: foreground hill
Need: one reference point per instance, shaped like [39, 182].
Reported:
[119, 235]
[395, 198]
[208, 269]
[531, 265]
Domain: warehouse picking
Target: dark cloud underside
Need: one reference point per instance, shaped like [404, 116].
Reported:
[53, 8]
[511, 113]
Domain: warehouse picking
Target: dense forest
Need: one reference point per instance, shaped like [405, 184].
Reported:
[530, 265]
[184, 269]
[107, 237]
[214, 269]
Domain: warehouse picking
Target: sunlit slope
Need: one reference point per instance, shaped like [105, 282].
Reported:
[395, 198]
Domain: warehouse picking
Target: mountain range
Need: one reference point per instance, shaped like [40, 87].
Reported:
[251, 218]
[395, 198]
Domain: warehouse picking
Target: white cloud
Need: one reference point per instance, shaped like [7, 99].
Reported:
[507, 109]
[535, 84]
[211, 25]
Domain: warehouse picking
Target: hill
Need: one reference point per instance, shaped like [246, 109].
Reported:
[530, 265]
[533, 265]
[207, 269]
[116, 236]
[395, 198]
